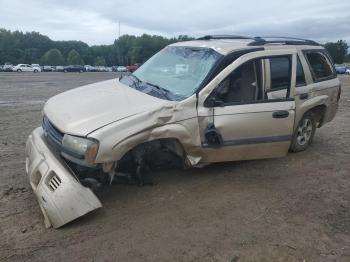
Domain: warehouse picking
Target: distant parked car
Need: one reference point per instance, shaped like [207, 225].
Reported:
[74, 68]
[59, 68]
[340, 69]
[8, 67]
[121, 69]
[90, 68]
[102, 69]
[26, 68]
[1, 68]
[47, 68]
[36, 65]
[133, 67]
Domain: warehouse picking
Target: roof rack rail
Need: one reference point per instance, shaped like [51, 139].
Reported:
[282, 40]
[209, 37]
[259, 40]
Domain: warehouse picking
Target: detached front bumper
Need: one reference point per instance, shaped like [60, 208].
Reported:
[62, 198]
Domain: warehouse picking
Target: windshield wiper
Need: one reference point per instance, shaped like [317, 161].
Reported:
[136, 81]
[138, 84]
[164, 92]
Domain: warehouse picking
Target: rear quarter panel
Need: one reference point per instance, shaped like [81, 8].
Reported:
[320, 93]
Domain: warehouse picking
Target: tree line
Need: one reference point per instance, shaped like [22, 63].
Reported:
[34, 48]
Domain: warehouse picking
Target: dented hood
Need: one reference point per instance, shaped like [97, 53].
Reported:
[82, 110]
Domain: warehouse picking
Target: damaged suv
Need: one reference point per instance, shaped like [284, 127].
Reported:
[217, 98]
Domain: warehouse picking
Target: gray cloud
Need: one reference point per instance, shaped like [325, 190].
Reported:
[95, 22]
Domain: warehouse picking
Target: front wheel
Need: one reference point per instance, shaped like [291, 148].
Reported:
[304, 133]
[19, 70]
[36, 71]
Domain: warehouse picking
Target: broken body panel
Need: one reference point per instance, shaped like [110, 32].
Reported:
[61, 196]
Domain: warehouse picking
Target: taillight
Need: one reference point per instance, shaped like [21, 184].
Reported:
[339, 93]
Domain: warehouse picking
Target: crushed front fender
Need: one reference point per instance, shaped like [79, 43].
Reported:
[62, 198]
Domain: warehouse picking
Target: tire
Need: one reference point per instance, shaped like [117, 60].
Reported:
[65, 71]
[19, 71]
[80, 71]
[304, 133]
[36, 71]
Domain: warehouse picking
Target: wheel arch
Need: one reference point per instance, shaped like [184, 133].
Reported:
[161, 151]
[175, 133]
[318, 105]
[320, 112]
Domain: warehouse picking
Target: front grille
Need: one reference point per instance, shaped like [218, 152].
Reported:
[53, 135]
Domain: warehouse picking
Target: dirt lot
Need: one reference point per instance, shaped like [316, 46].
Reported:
[292, 209]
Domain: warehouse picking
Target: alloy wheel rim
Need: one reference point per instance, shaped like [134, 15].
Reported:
[304, 132]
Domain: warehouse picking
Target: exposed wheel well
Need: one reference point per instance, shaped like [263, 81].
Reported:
[156, 154]
[319, 112]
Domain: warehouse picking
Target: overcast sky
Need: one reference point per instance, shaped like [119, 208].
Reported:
[96, 22]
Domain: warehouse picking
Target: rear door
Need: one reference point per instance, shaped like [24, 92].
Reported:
[28, 68]
[239, 106]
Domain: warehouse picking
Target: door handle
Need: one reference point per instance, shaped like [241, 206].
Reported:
[304, 96]
[280, 114]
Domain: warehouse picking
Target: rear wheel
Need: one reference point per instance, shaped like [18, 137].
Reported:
[19, 70]
[65, 71]
[36, 71]
[304, 133]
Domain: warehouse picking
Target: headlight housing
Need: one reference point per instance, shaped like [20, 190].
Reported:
[80, 150]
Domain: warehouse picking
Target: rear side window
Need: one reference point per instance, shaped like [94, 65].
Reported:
[280, 72]
[300, 80]
[320, 66]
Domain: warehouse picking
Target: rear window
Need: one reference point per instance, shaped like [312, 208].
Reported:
[280, 72]
[320, 66]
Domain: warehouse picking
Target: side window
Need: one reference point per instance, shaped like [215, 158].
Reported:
[300, 79]
[320, 65]
[280, 68]
[242, 85]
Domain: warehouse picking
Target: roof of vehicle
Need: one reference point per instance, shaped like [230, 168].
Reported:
[225, 44]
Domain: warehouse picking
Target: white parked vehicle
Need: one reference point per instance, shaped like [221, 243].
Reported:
[26, 68]
[347, 71]
[122, 69]
[101, 69]
[90, 68]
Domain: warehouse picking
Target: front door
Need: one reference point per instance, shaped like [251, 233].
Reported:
[249, 123]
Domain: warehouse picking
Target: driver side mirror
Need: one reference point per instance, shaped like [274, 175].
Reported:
[213, 102]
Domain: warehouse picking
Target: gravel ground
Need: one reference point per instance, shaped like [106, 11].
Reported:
[295, 208]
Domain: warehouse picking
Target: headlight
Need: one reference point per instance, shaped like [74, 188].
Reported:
[82, 149]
